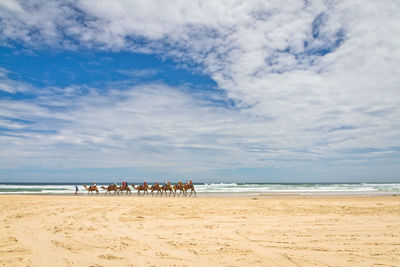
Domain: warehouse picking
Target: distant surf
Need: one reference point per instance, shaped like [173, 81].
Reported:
[229, 188]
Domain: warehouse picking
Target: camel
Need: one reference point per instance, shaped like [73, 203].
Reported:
[141, 188]
[111, 187]
[179, 187]
[166, 188]
[155, 187]
[186, 187]
[91, 189]
[128, 190]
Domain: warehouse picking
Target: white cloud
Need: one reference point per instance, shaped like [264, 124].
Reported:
[12, 85]
[310, 79]
[139, 73]
[148, 126]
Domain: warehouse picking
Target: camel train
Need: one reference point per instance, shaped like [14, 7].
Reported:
[167, 189]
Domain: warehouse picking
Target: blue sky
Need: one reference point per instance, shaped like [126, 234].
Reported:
[215, 91]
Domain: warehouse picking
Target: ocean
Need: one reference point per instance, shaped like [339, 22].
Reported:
[324, 189]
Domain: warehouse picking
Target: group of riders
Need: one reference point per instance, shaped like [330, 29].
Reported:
[173, 189]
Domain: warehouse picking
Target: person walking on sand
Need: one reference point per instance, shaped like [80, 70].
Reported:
[76, 190]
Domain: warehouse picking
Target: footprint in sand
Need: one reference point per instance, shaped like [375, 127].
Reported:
[110, 257]
[12, 252]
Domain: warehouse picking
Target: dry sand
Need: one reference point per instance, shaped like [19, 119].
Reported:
[202, 231]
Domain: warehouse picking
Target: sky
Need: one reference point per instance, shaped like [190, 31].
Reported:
[217, 91]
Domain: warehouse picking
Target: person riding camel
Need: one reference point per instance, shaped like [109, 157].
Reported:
[168, 185]
[191, 183]
[156, 186]
[144, 184]
[123, 184]
[126, 184]
[93, 185]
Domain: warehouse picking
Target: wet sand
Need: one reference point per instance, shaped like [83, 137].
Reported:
[228, 231]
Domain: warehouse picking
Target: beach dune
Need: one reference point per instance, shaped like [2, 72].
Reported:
[213, 231]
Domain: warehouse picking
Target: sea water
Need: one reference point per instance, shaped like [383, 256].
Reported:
[227, 188]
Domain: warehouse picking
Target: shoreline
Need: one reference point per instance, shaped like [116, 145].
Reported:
[228, 189]
[222, 194]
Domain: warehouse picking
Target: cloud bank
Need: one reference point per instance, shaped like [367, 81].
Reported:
[309, 81]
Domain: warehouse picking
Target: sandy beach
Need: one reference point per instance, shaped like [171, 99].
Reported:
[213, 231]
